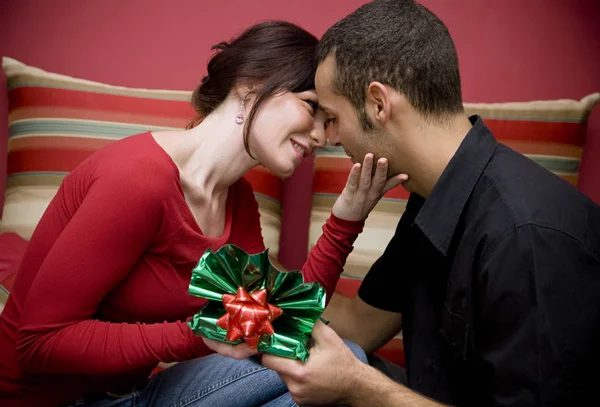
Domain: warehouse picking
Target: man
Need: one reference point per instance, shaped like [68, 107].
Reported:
[493, 274]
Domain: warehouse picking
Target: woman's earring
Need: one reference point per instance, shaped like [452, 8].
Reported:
[239, 119]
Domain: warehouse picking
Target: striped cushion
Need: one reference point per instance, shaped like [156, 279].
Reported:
[551, 133]
[56, 121]
[331, 172]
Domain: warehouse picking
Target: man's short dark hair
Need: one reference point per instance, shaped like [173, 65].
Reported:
[399, 43]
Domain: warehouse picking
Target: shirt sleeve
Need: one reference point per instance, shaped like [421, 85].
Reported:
[540, 307]
[326, 259]
[380, 287]
[117, 219]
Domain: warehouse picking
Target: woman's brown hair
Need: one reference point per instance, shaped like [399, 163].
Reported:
[278, 55]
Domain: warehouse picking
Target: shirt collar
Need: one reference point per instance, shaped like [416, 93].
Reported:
[442, 209]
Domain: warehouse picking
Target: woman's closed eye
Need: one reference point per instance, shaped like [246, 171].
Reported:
[313, 105]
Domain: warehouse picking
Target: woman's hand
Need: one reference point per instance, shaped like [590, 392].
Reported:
[239, 352]
[364, 189]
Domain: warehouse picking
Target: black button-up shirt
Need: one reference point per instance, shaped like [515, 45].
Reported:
[497, 277]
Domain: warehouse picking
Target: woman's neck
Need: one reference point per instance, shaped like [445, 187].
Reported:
[211, 156]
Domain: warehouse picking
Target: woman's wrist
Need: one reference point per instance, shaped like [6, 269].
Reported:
[352, 226]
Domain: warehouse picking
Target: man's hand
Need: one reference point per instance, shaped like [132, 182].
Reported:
[333, 375]
[239, 352]
[364, 189]
[329, 374]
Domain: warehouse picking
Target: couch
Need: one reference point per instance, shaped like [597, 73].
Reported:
[56, 121]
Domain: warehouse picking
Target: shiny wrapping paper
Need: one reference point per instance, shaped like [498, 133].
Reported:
[251, 300]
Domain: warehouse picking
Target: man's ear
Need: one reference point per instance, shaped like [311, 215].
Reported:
[378, 103]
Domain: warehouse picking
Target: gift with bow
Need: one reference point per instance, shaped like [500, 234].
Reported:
[251, 301]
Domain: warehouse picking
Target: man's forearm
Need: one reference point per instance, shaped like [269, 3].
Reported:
[373, 389]
[340, 316]
[346, 322]
[366, 326]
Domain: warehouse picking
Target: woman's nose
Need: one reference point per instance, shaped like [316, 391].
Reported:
[318, 136]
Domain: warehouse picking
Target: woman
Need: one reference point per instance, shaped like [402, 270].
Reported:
[101, 294]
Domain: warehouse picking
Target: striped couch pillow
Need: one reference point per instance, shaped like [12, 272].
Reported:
[56, 121]
[552, 133]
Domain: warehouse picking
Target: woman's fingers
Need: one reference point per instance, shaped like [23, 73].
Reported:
[364, 187]
[352, 182]
[241, 351]
[373, 183]
[367, 173]
[393, 182]
[380, 175]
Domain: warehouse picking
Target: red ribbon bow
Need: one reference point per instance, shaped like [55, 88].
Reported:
[248, 316]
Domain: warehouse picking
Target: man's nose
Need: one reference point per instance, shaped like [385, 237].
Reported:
[334, 138]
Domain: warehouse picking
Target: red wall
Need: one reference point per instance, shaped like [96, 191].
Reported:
[510, 50]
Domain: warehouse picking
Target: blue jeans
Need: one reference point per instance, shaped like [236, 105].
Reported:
[213, 381]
